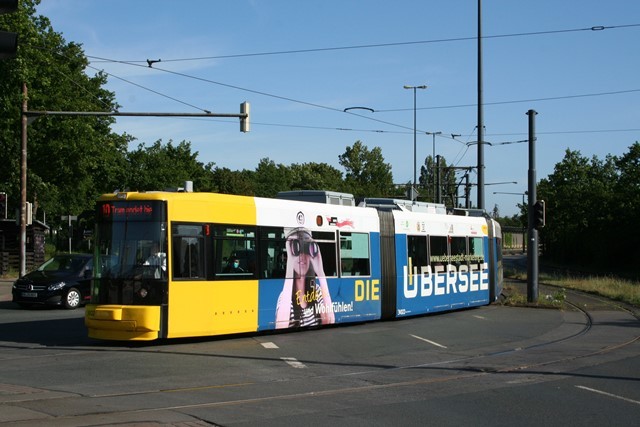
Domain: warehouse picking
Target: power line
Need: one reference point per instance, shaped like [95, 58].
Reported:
[82, 88]
[551, 98]
[315, 105]
[465, 145]
[554, 98]
[151, 90]
[363, 116]
[572, 132]
[381, 45]
[135, 63]
[344, 111]
[257, 92]
[151, 64]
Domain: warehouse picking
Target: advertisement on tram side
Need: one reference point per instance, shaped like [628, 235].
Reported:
[445, 279]
[326, 267]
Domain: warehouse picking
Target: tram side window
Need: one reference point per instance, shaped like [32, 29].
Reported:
[273, 253]
[234, 242]
[458, 251]
[354, 254]
[328, 250]
[188, 251]
[476, 250]
[439, 254]
[417, 250]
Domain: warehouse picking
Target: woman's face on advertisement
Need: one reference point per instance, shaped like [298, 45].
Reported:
[302, 249]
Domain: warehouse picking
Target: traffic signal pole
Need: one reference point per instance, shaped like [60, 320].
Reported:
[28, 116]
[532, 254]
[23, 184]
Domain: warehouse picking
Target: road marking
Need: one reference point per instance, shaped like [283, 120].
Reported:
[293, 362]
[479, 317]
[615, 396]
[269, 345]
[429, 341]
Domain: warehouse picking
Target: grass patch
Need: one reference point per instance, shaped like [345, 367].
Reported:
[516, 298]
[610, 287]
[614, 288]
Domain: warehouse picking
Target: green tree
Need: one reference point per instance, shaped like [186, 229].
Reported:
[428, 182]
[161, 166]
[316, 176]
[625, 208]
[495, 213]
[367, 174]
[70, 159]
[271, 178]
[578, 209]
[510, 221]
[226, 181]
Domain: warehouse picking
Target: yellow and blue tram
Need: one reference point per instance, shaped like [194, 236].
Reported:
[185, 264]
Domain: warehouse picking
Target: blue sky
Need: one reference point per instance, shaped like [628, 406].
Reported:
[584, 84]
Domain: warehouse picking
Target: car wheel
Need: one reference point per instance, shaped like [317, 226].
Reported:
[72, 299]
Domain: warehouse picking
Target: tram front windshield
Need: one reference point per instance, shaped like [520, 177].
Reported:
[132, 253]
[127, 249]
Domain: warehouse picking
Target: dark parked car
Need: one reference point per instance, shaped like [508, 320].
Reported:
[63, 280]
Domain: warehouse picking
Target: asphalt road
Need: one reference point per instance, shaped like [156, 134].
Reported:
[490, 366]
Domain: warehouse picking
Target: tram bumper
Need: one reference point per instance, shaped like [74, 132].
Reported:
[122, 322]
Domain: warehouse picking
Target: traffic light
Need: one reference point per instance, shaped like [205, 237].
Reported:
[29, 213]
[538, 214]
[245, 126]
[8, 41]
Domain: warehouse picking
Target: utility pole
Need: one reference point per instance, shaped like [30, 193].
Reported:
[532, 254]
[480, 114]
[23, 185]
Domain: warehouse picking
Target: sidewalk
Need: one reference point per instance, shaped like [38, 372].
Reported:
[5, 289]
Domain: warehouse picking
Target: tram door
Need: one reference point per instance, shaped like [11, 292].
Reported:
[387, 263]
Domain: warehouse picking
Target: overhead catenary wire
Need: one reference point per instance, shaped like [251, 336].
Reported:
[146, 64]
[152, 90]
[371, 118]
[262, 93]
[550, 98]
[382, 45]
[335, 109]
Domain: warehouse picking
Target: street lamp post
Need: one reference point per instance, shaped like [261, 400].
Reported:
[413, 189]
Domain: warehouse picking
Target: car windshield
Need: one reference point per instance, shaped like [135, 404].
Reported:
[66, 263]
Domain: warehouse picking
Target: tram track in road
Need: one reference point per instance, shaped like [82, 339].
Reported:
[462, 375]
[539, 359]
[296, 363]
